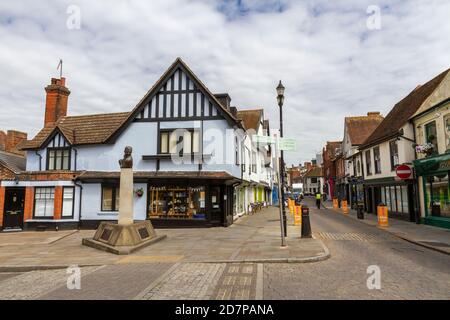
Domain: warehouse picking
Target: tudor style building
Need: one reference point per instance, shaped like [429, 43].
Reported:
[187, 145]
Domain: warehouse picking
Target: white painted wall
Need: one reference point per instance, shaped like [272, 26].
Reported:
[405, 155]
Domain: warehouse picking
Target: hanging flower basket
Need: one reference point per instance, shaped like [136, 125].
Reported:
[427, 149]
[139, 192]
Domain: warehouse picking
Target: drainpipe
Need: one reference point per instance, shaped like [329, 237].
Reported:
[75, 160]
[78, 184]
[40, 159]
[416, 194]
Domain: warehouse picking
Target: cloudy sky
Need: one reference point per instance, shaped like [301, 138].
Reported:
[334, 57]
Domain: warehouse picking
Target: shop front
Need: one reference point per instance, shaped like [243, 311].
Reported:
[434, 189]
[168, 199]
[397, 195]
[190, 203]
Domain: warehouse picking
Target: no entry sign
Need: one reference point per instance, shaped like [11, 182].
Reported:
[403, 172]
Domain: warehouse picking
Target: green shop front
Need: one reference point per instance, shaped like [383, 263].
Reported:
[433, 173]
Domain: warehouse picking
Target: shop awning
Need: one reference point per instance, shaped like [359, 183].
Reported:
[432, 164]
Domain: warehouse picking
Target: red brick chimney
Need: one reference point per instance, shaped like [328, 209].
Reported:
[13, 138]
[2, 141]
[56, 101]
[308, 165]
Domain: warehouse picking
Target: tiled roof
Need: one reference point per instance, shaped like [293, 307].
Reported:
[13, 162]
[250, 118]
[314, 172]
[100, 128]
[403, 110]
[360, 128]
[89, 129]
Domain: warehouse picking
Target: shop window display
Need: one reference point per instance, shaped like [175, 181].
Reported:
[177, 202]
[438, 195]
[405, 206]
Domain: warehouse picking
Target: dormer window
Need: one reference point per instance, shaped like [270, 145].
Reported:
[58, 159]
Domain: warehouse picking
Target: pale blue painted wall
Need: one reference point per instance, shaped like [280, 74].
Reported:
[142, 136]
[91, 203]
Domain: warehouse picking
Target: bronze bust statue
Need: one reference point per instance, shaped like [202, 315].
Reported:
[127, 161]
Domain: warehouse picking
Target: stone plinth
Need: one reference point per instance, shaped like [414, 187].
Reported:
[123, 239]
[126, 197]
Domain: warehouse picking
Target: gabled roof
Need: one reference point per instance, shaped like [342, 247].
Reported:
[359, 128]
[13, 162]
[104, 128]
[403, 110]
[89, 129]
[314, 172]
[177, 64]
[250, 118]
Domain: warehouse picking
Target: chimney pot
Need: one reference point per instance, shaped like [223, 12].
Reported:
[373, 113]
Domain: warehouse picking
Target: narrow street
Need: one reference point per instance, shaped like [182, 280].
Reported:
[407, 272]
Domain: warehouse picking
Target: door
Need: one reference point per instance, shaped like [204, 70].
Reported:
[369, 206]
[216, 205]
[14, 204]
[377, 197]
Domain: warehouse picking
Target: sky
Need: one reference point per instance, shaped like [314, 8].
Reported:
[335, 58]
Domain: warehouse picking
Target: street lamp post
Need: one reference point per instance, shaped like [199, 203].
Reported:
[280, 100]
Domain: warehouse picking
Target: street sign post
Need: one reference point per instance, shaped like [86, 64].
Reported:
[403, 172]
[282, 224]
[285, 144]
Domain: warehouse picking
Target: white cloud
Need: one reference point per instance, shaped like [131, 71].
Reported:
[330, 63]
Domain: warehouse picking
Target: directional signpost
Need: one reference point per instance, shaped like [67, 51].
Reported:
[288, 144]
[285, 144]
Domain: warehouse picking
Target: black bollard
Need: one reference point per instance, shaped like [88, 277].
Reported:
[306, 225]
[360, 211]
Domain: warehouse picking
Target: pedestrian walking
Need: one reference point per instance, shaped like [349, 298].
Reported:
[318, 199]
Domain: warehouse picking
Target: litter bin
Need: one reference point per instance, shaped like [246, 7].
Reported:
[360, 211]
[306, 226]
